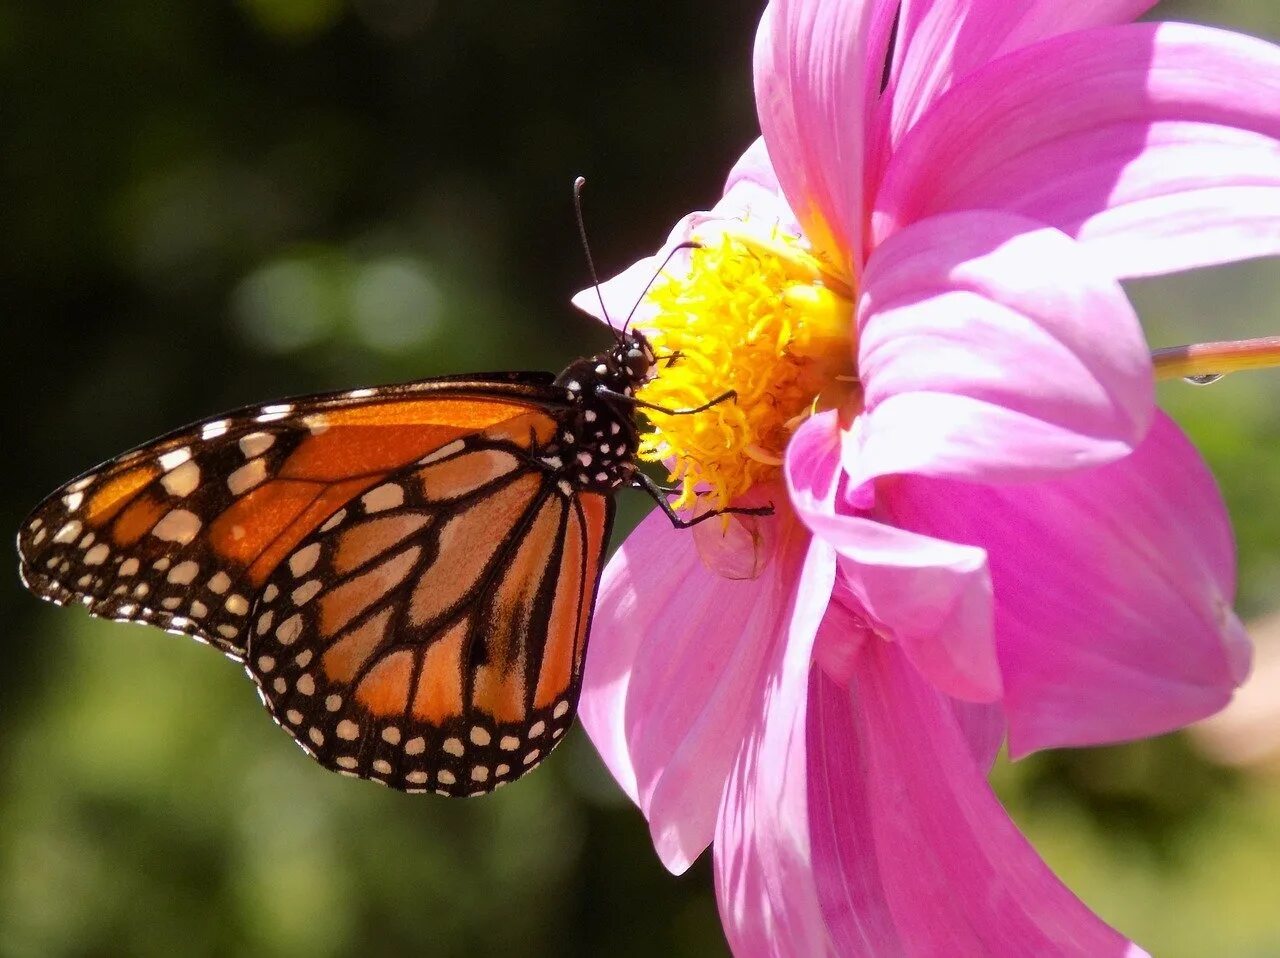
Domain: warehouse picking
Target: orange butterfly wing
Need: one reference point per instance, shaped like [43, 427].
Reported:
[431, 634]
[181, 532]
[410, 587]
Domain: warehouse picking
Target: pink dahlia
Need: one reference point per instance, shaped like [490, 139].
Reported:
[984, 528]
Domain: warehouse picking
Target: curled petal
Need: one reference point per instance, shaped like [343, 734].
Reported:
[1157, 145]
[912, 852]
[677, 660]
[992, 349]
[931, 596]
[1113, 589]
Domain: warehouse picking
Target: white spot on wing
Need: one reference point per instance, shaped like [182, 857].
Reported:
[177, 525]
[444, 452]
[68, 532]
[174, 458]
[305, 592]
[247, 476]
[256, 443]
[387, 496]
[348, 730]
[289, 630]
[183, 573]
[304, 560]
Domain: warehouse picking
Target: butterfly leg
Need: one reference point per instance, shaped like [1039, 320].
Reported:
[731, 394]
[657, 493]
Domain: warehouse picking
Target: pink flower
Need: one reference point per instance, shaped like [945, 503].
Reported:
[984, 526]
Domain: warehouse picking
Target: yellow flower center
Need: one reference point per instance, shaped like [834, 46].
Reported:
[764, 318]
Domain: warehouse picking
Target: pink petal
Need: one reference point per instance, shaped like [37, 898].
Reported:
[751, 195]
[765, 882]
[931, 596]
[992, 349]
[983, 727]
[911, 850]
[817, 73]
[676, 663]
[1113, 589]
[740, 546]
[943, 42]
[1157, 145]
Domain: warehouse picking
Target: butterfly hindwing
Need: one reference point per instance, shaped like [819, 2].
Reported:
[430, 634]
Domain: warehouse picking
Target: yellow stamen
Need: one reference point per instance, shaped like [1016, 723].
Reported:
[1208, 361]
[759, 316]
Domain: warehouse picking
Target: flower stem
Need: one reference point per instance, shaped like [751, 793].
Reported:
[1206, 362]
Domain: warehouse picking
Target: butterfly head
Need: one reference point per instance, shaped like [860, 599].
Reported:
[623, 369]
[633, 358]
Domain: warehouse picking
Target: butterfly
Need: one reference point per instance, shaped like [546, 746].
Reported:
[408, 573]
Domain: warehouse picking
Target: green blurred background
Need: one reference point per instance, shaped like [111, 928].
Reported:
[207, 204]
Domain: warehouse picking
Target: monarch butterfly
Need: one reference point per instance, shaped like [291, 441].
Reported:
[408, 573]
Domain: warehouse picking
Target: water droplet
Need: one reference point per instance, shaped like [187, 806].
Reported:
[1204, 379]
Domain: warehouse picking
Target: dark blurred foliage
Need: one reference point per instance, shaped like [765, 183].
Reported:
[209, 204]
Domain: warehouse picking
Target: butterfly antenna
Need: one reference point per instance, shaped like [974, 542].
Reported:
[687, 244]
[578, 183]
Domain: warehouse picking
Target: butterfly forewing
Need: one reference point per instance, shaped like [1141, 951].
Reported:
[430, 634]
[154, 536]
[181, 532]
